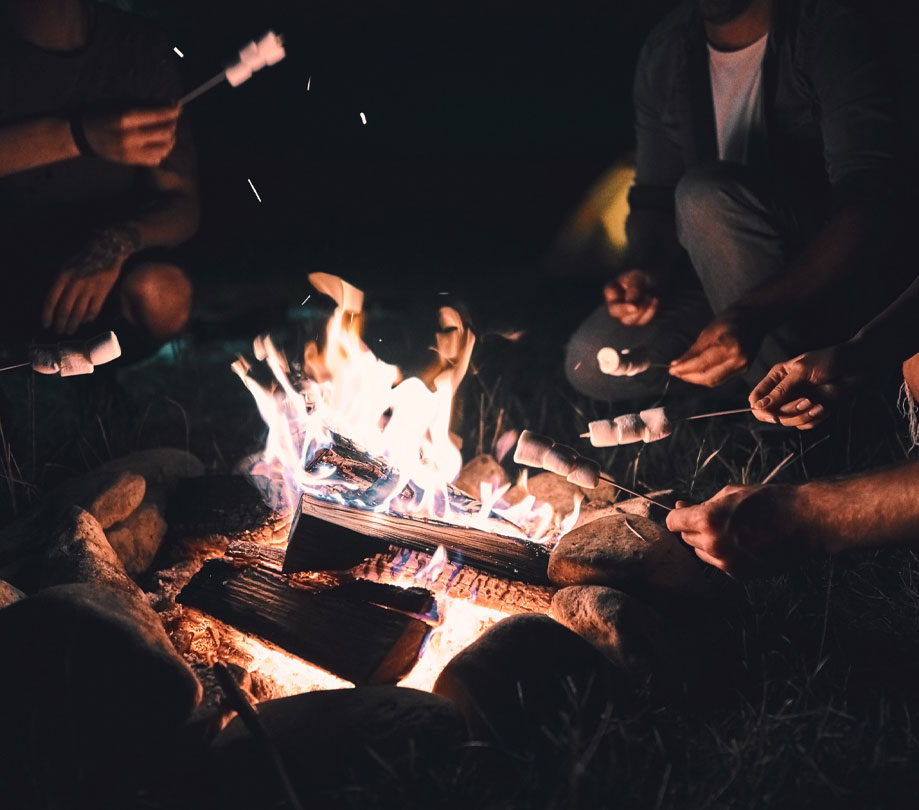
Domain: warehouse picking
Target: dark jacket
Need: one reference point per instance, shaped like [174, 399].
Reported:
[828, 110]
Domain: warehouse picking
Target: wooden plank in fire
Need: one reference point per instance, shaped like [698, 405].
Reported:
[328, 536]
[340, 630]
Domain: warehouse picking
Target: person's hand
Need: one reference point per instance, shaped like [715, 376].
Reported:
[746, 531]
[725, 348]
[799, 392]
[84, 283]
[138, 137]
[632, 298]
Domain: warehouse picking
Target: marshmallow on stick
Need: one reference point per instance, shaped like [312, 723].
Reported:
[269, 50]
[624, 363]
[534, 450]
[649, 425]
[73, 359]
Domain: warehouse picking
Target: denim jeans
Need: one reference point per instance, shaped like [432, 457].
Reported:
[737, 233]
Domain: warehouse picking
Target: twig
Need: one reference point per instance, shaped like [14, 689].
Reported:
[253, 722]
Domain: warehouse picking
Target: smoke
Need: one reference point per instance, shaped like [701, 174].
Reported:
[909, 408]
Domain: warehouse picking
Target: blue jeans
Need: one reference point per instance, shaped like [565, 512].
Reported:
[737, 233]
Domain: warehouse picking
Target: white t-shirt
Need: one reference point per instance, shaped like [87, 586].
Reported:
[737, 90]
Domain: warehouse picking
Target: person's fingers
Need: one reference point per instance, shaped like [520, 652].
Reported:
[95, 307]
[648, 313]
[716, 375]
[699, 362]
[760, 397]
[612, 292]
[621, 311]
[155, 116]
[688, 519]
[806, 420]
[718, 563]
[65, 306]
[52, 299]
[78, 312]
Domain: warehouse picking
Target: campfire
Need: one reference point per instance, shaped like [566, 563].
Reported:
[389, 569]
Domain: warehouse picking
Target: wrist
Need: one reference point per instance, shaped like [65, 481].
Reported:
[121, 241]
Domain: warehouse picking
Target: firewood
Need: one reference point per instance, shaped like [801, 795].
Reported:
[327, 535]
[347, 636]
[457, 581]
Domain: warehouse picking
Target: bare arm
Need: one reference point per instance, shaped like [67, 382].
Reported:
[751, 531]
[38, 142]
[169, 218]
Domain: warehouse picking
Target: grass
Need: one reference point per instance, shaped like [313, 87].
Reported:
[808, 700]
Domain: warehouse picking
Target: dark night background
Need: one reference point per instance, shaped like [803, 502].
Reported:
[487, 123]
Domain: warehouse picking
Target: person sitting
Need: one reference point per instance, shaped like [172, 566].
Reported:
[97, 176]
[766, 156]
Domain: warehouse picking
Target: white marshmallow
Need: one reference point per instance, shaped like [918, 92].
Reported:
[271, 48]
[238, 73]
[657, 424]
[604, 433]
[532, 449]
[251, 57]
[631, 428]
[624, 363]
[608, 360]
[561, 460]
[586, 473]
[74, 362]
[46, 359]
[103, 349]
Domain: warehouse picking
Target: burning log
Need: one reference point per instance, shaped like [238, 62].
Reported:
[327, 536]
[344, 630]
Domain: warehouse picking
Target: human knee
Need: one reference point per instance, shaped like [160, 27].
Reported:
[158, 299]
[707, 199]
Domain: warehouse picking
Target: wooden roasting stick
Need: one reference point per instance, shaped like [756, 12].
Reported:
[247, 713]
[269, 50]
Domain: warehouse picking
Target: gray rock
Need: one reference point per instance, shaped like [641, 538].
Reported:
[92, 694]
[554, 490]
[137, 539]
[162, 467]
[526, 680]
[623, 628]
[382, 741]
[625, 551]
[481, 470]
[9, 594]
[109, 497]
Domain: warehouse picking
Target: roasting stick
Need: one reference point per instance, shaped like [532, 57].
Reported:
[627, 491]
[697, 416]
[269, 50]
[201, 89]
[238, 700]
[17, 365]
[535, 450]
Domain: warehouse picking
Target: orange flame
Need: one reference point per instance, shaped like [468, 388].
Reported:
[344, 389]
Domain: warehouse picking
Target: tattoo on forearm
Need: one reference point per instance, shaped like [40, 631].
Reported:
[105, 248]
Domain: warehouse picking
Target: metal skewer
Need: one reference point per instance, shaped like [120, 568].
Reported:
[202, 88]
[715, 413]
[627, 491]
[17, 365]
